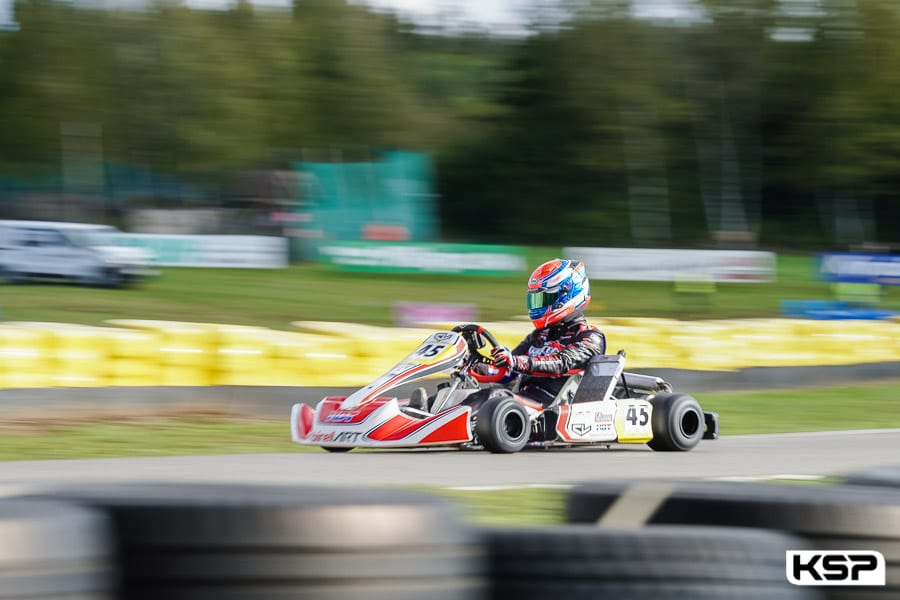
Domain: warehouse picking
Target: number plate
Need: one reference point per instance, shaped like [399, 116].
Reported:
[633, 421]
[434, 349]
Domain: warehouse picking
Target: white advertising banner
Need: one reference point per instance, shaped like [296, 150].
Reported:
[642, 264]
[224, 251]
[881, 269]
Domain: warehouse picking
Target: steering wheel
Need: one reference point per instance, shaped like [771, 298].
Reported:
[475, 335]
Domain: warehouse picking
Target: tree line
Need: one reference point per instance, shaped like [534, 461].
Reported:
[744, 122]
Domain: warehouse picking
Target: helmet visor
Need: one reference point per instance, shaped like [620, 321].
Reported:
[541, 298]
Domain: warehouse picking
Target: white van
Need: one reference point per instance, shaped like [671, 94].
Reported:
[82, 252]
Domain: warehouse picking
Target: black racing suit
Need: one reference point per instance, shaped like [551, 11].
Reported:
[556, 352]
[553, 353]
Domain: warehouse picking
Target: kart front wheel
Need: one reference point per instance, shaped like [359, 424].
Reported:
[677, 422]
[503, 425]
[337, 448]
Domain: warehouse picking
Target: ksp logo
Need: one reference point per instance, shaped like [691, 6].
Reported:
[835, 567]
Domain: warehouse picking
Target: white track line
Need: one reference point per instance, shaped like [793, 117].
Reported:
[780, 477]
[567, 486]
[838, 432]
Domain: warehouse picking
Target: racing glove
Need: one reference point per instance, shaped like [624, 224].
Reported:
[486, 373]
[484, 369]
[503, 357]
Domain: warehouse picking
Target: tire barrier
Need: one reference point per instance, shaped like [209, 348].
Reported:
[828, 517]
[50, 550]
[884, 476]
[202, 542]
[652, 563]
[140, 352]
[656, 540]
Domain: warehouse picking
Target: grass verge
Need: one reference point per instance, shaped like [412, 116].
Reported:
[813, 409]
[872, 406]
[144, 435]
[510, 507]
[274, 298]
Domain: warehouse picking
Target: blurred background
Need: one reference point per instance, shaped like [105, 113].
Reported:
[645, 123]
[283, 199]
[295, 194]
[727, 171]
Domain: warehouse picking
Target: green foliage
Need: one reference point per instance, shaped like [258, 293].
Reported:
[752, 116]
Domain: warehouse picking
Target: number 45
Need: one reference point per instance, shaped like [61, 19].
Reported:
[637, 415]
[430, 350]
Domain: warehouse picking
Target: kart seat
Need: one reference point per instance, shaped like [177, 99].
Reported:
[418, 399]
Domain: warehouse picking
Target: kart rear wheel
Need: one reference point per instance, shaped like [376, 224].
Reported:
[503, 425]
[336, 448]
[677, 422]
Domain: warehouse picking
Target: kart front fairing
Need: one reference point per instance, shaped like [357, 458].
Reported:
[373, 417]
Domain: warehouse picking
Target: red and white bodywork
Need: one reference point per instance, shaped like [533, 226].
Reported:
[370, 417]
[605, 405]
[379, 422]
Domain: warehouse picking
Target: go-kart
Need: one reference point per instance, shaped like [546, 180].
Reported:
[601, 405]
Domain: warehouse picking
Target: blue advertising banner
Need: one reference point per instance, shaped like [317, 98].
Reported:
[883, 269]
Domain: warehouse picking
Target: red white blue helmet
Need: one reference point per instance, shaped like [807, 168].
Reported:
[556, 289]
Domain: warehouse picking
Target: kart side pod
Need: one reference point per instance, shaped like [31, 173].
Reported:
[678, 421]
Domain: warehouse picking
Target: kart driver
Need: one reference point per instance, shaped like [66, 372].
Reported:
[561, 344]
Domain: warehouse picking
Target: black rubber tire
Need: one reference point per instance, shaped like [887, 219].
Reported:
[884, 476]
[242, 542]
[267, 516]
[413, 589]
[861, 593]
[818, 510]
[658, 563]
[502, 425]
[226, 566]
[677, 422]
[673, 590]
[336, 449]
[859, 517]
[54, 550]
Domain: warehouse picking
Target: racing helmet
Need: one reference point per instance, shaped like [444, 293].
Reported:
[556, 289]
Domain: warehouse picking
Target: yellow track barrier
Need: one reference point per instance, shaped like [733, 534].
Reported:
[134, 352]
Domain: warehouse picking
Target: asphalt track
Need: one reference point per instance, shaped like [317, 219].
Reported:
[751, 456]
